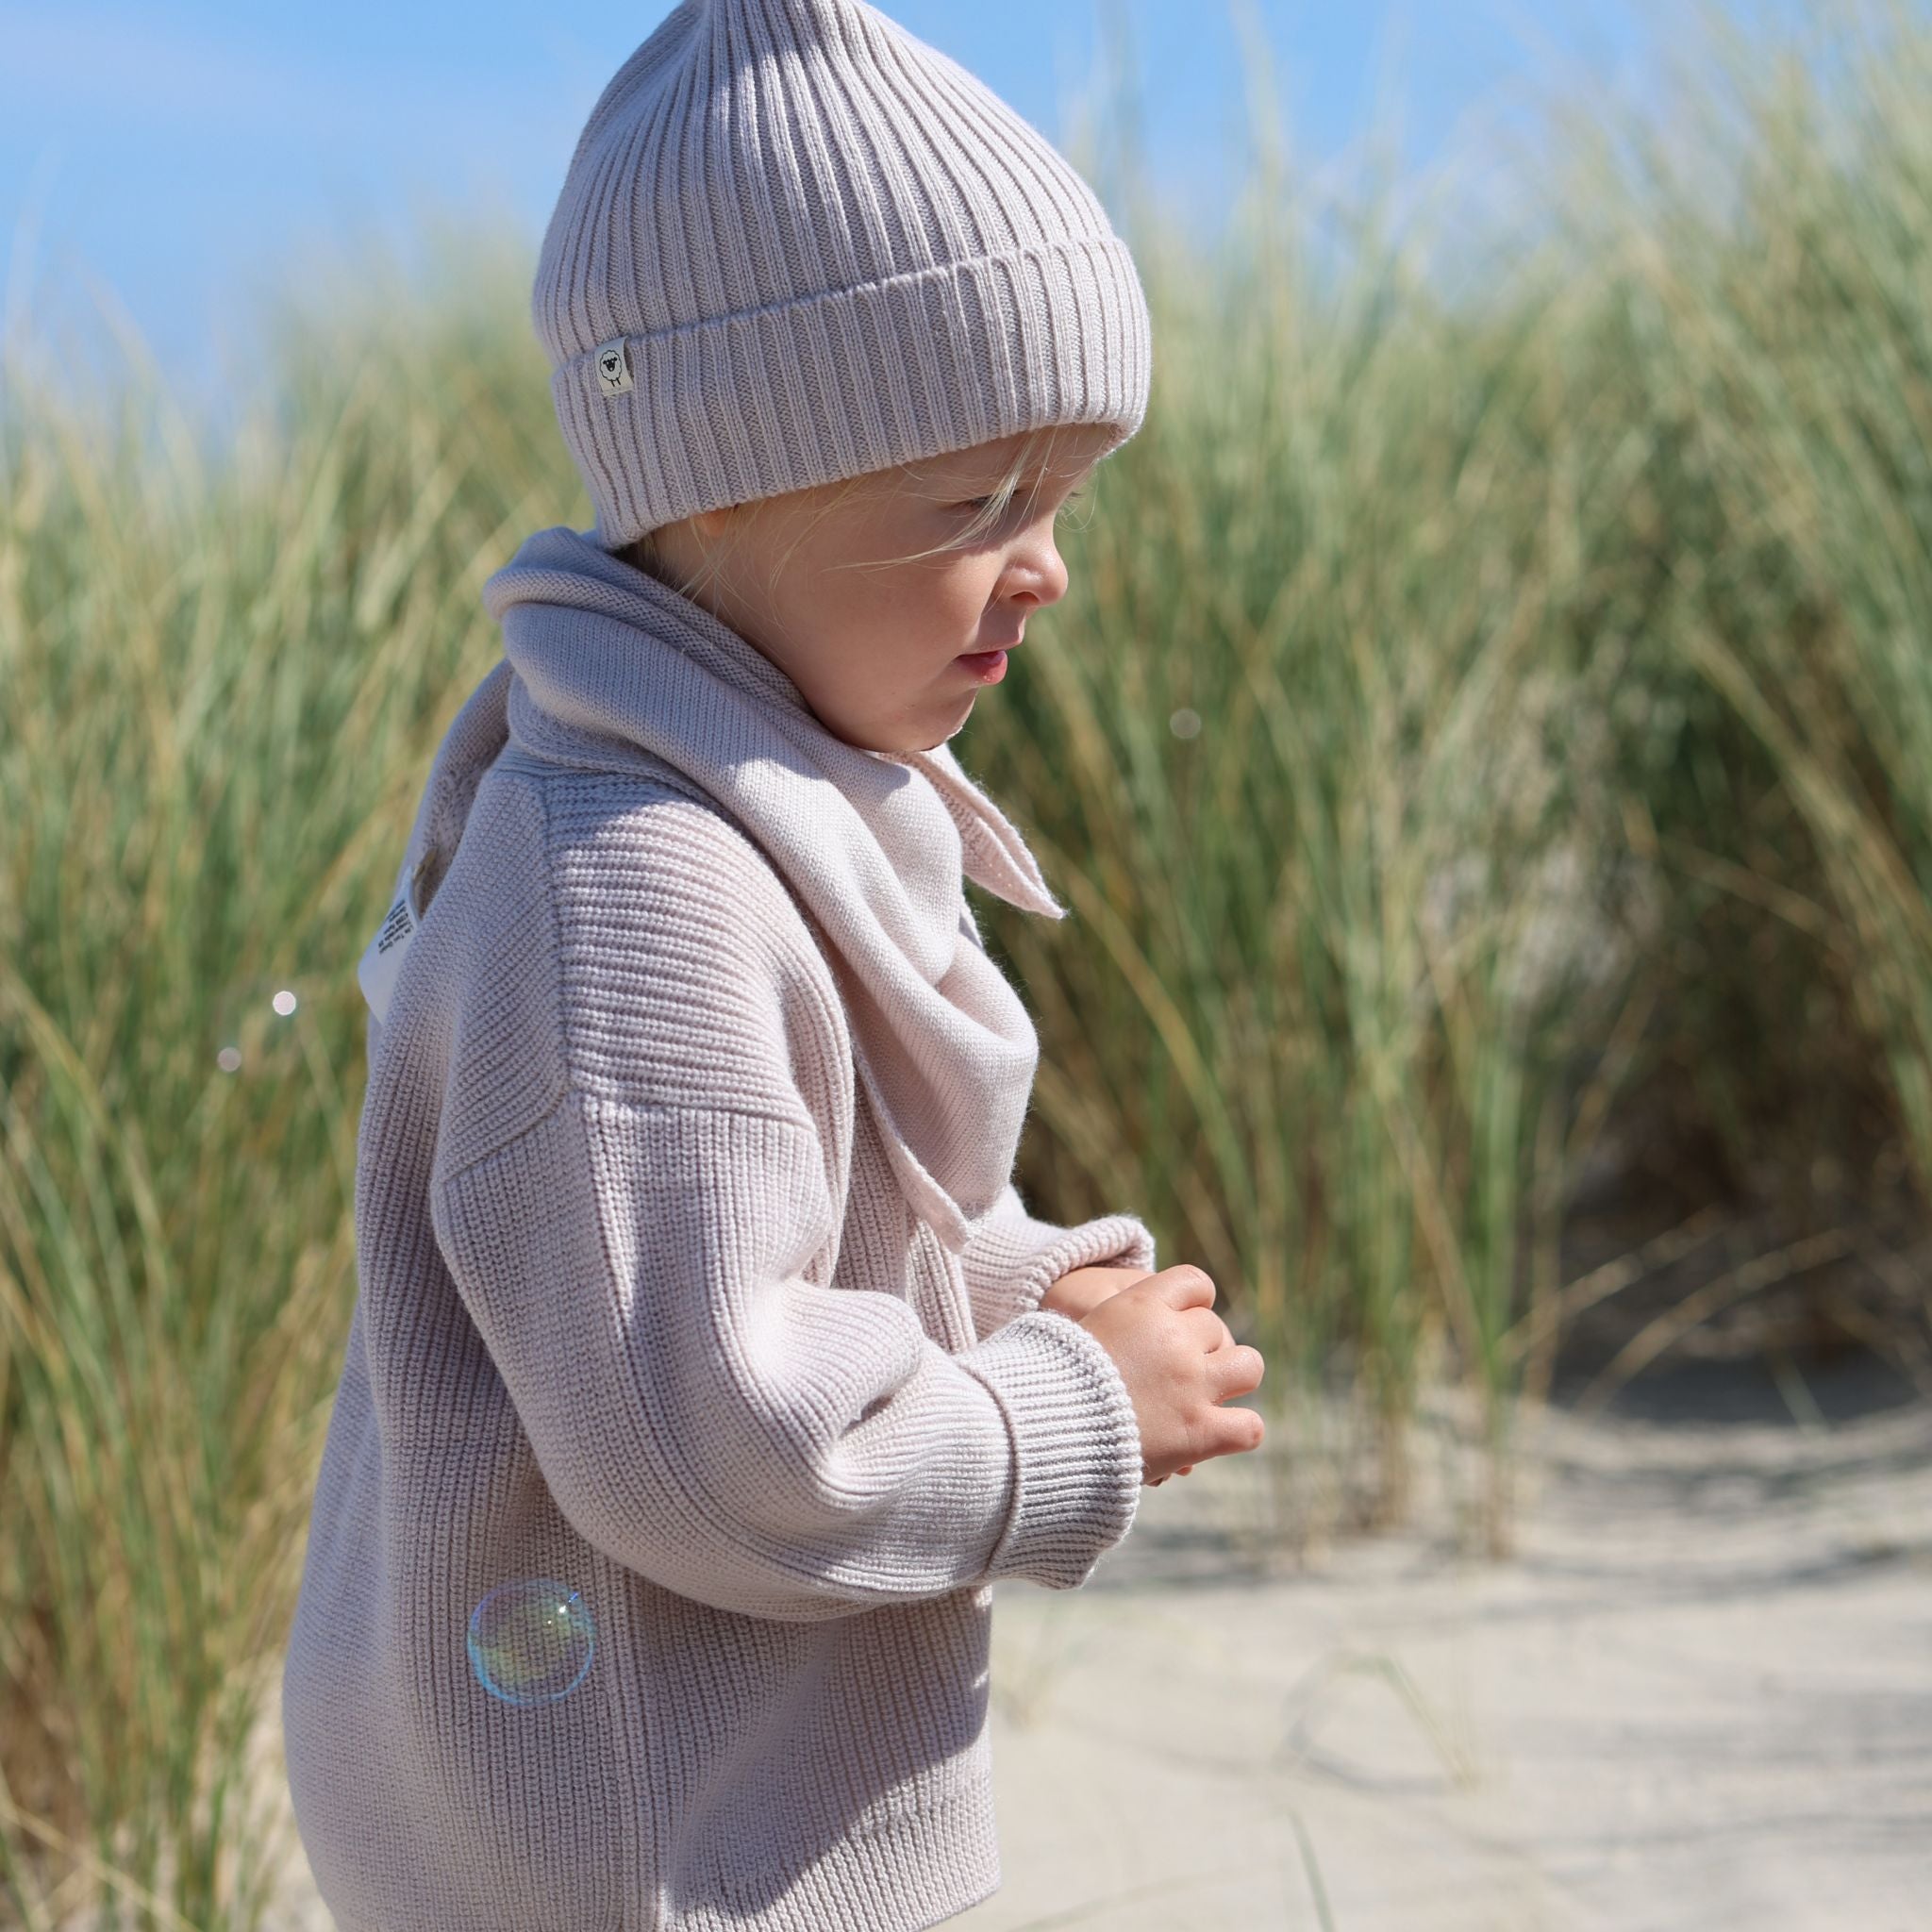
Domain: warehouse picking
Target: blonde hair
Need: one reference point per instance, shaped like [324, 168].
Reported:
[644, 553]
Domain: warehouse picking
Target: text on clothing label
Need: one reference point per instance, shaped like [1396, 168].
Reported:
[382, 959]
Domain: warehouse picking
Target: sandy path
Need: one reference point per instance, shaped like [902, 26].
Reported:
[1699, 1697]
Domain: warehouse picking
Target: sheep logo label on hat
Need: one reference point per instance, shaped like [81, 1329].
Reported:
[613, 368]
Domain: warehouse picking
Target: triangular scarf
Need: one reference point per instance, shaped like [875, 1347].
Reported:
[875, 844]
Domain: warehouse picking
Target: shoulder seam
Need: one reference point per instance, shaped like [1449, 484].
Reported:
[604, 1105]
[651, 785]
[802, 958]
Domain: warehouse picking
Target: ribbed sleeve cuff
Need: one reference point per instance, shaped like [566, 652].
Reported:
[1076, 1448]
[1112, 1241]
[1013, 1258]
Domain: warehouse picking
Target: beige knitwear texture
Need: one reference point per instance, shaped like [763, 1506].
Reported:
[645, 1308]
[796, 243]
[691, 1273]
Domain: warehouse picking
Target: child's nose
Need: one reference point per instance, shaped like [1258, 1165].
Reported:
[1045, 578]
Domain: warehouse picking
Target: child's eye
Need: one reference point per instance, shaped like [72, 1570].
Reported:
[979, 503]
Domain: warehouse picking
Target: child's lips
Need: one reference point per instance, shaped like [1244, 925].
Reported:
[987, 666]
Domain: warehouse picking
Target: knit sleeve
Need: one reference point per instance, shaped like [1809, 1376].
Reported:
[710, 1415]
[1011, 1258]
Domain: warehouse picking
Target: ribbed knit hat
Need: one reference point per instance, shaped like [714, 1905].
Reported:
[797, 243]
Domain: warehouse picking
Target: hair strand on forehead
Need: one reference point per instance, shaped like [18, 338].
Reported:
[1036, 450]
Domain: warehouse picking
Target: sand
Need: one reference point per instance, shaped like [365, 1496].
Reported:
[1698, 1696]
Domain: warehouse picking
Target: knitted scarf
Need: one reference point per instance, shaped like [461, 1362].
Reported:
[874, 843]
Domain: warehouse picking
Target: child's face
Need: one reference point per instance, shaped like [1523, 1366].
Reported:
[872, 642]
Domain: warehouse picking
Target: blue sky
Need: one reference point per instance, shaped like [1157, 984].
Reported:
[177, 156]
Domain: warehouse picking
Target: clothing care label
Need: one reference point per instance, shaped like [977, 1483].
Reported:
[380, 963]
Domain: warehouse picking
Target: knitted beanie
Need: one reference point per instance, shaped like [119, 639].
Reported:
[796, 243]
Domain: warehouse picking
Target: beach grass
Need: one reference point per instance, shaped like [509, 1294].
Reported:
[1492, 702]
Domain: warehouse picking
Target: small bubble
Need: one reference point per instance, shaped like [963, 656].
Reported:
[284, 1002]
[531, 1642]
[1185, 724]
[229, 1059]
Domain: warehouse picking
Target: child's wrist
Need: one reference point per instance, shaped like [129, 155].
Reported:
[1080, 1290]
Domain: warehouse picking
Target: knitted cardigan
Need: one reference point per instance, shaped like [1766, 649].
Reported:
[645, 1313]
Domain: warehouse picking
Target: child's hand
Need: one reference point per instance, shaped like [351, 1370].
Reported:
[1081, 1290]
[1180, 1365]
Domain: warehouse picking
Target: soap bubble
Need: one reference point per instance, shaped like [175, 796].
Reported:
[531, 1641]
[247, 1023]
[1186, 722]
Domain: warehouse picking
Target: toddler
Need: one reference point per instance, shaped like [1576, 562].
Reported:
[707, 1370]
